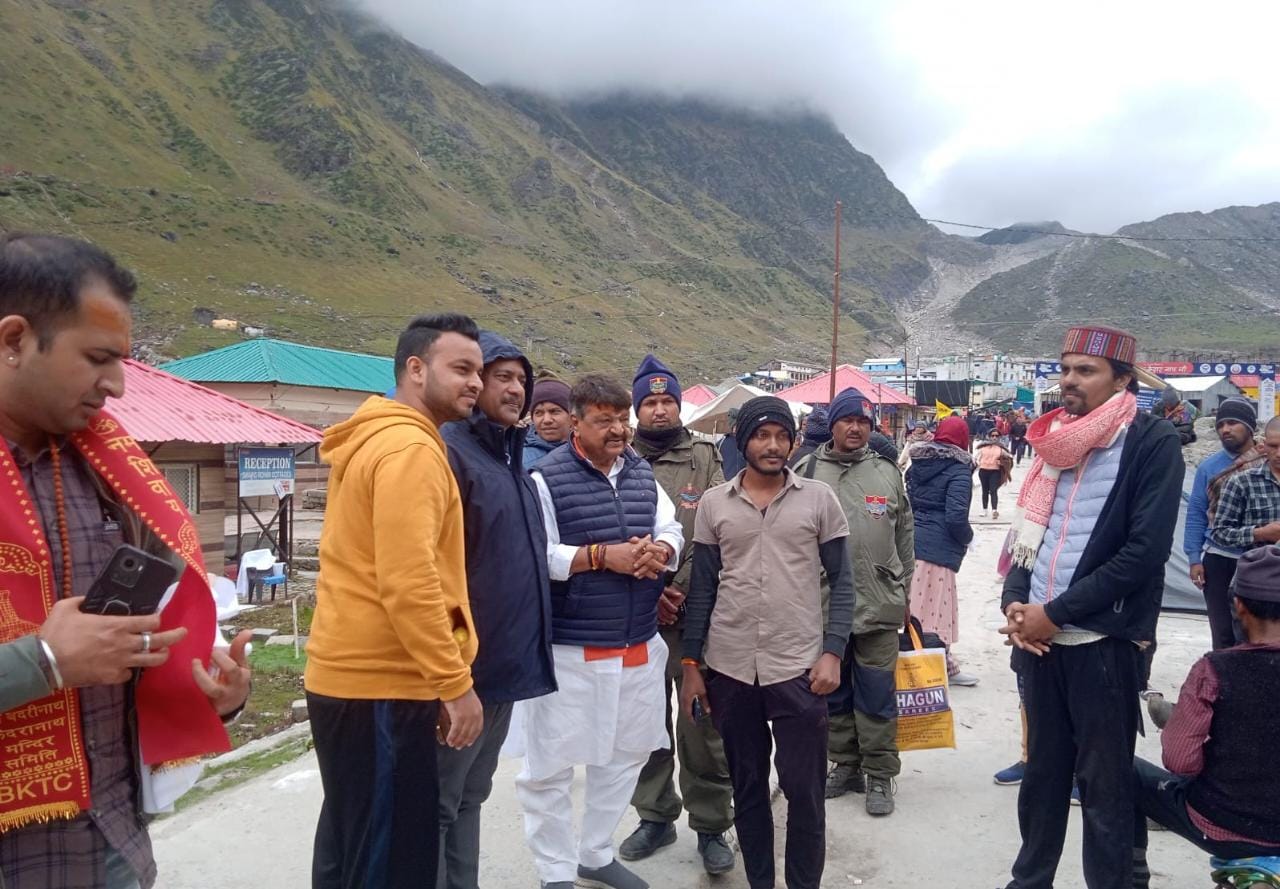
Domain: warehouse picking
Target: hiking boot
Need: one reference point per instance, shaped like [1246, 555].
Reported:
[612, 876]
[843, 778]
[959, 677]
[1012, 775]
[646, 839]
[879, 796]
[1159, 709]
[717, 857]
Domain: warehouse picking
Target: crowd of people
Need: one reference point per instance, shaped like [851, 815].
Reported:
[508, 565]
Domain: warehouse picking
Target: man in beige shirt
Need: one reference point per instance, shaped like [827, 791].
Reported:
[754, 616]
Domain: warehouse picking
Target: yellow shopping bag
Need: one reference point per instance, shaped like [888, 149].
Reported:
[925, 721]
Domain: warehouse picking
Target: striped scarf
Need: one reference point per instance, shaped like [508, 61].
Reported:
[1061, 441]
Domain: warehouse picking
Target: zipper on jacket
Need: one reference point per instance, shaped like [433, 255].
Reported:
[1066, 526]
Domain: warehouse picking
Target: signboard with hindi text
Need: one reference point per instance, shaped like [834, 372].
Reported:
[262, 468]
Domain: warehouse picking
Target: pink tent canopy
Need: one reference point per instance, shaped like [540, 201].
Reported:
[698, 395]
[818, 390]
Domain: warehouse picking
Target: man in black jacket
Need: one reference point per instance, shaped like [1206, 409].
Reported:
[509, 590]
[1087, 552]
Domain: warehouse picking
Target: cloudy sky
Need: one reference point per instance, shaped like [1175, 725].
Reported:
[1093, 113]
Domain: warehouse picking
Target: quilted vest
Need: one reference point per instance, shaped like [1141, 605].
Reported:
[1077, 503]
[601, 608]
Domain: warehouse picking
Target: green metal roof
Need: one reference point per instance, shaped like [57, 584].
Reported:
[276, 361]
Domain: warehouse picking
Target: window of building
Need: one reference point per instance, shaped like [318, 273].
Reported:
[184, 478]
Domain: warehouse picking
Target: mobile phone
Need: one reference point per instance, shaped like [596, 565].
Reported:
[131, 584]
[699, 711]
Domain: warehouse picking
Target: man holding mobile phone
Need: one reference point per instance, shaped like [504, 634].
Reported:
[68, 691]
[754, 618]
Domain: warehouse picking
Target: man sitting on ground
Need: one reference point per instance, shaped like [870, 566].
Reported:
[1222, 791]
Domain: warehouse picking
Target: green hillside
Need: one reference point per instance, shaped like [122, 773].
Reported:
[1170, 304]
[292, 166]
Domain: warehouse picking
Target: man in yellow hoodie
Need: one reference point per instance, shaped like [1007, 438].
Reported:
[392, 639]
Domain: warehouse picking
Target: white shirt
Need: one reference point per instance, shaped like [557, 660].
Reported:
[560, 556]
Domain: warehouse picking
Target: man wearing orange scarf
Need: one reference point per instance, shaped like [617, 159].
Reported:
[1084, 566]
[79, 723]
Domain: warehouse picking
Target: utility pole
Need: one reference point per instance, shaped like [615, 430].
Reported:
[835, 312]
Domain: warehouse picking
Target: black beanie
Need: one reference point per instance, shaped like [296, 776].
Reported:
[1239, 410]
[758, 411]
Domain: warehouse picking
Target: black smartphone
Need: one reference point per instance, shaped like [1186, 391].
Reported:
[699, 711]
[132, 583]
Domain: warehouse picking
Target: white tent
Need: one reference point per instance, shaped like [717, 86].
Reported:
[713, 417]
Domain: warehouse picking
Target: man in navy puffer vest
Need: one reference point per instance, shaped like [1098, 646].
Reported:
[612, 534]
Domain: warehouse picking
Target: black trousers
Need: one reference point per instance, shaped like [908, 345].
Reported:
[1219, 571]
[379, 824]
[742, 714]
[1082, 720]
[1019, 448]
[990, 479]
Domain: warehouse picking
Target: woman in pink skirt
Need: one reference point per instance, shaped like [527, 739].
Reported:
[940, 485]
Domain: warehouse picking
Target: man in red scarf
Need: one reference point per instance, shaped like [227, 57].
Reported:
[79, 725]
[1085, 575]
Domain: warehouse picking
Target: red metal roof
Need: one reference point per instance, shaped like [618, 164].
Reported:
[158, 406]
[698, 395]
[818, 390]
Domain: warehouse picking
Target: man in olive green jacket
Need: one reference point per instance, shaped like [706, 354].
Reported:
[862, 733]
[685, 467]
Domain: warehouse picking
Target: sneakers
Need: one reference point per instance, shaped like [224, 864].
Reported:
[1159, 709]
[612, 876]
[558, 884]
[983, 514]
[879, 796]
[717, 857]
[843, 778]
[646, 839]
[995, 514]
[1012, 775]
[959, 677]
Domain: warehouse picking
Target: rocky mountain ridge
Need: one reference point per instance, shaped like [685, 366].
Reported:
[301, 169]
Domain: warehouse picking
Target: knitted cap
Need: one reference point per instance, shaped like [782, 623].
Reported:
[1104, 342]
[653, 378]
[759, 411]
[1240, 410]
[553, 390]
[849, 403]
[1258, 574]
[816, 428]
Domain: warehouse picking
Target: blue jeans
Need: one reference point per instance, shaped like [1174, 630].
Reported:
[1162, 797]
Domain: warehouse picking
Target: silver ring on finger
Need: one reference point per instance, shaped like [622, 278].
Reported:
[146, 642]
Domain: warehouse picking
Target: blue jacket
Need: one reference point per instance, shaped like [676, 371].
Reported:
[535, 448]
[506, 545]
[1197, 528]
[602, 608]
[940, 486]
